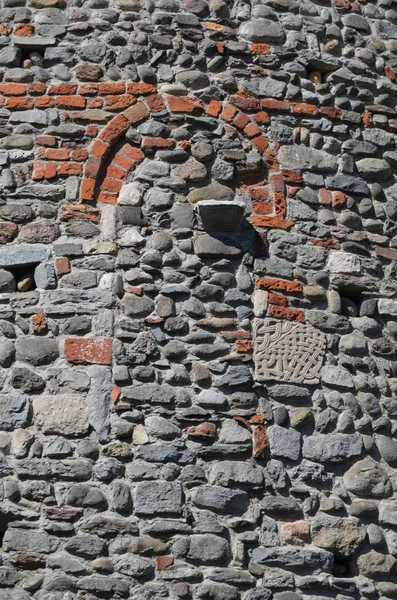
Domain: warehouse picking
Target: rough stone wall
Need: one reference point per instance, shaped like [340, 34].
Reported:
[188, 413]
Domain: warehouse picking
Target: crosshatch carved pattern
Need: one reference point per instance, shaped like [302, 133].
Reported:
[285, 351]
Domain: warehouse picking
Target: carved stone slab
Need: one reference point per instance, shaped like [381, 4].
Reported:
[288, 351]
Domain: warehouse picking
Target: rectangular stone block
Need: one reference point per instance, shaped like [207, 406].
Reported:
[158, 497]
[23, 254]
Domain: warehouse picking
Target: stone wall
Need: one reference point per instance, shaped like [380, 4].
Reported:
[188, 412]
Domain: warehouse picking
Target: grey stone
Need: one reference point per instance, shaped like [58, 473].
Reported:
[18, 539]
[284, 443]
[7, 352]
[137, 306]
[231, 473]
[303, 157]
[63, 414]
[213, 191]
[23, 255]
[367, 478]
[7, 282]
[10, 57]
[14, 410]
[262, 30]
[97, 399]
[208, 549]
[333, 448]
[220, 499]
[348, 184]
[158, 497]
[265, 87]
[338, 377]
[85, 496]
[339, 535]
[311, 558]
[216, 245]
[86, 546]
[134, 565]
[374, 169]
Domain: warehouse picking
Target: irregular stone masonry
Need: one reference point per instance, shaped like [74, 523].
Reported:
[187, 413]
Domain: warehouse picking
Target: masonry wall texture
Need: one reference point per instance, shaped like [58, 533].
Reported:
[190, 413]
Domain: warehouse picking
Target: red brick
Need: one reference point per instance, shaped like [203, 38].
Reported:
[262, 118]
[260, 441]
[271, 222]
[38, 171]
[7, 232]
[280, 206]
[180, 104]
[300, 108]
[292, 176]
[88, 189]
[245, 103]
[214, 108]
[136, 113]
[44, 102]
[221, 47]
[39, 323]
[153, 142]
[141, 89]
[325, 243]
[252, 130]
[92, 167]
[338, 200]
[155, 103]
[367, 118]
[133, 153]
[331, 112]
[62, 265]
[262, 208]
[229, 113]
[88, 89]
[116, 128]
[277, 299]
[241, 121]
[277, 182]
[162, 562]
[70, 102]
[89, 350]
[270, 157]
[261, 143]
[19, 103]
[211, 26]
[290, 314]
[271, 104]
[280, 285]
[37, 88]
[80, 211]
[325, 197]
[259, 193]
[24, 30]
[116, 394]
[70, 168]
[119, 102]
[64, 89]
[390, 74]
[12, 89]
[57, 154]
[116, 173]
[107, 198]
[91, 131]
[79, 154]
[111, 185]
[91, 103]
[99, 149]
[260, 49]
[204, 430]
[124, 162]
[50, 170]
[105, 89]
[242, 346]
[46, 140]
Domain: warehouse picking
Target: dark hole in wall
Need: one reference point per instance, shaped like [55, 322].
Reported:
[342, 567]
[23, 278]
[351, 299]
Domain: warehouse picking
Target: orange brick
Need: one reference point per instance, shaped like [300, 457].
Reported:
[277, 299]
[214, 108]
[331, 112]
[242, 346]
[80, 211]
[229, 113]
[271, 104]
[99, 149]
[37, 88]
[46, 140]
[211, 26]
[125, 162]
[88, 189]
[50, 170]
[280, 207]
[91, 131]
[260, 49]
[62, 265]
[292, 176]
[241, 121]
[70, 168]
[390, 74]
[133, 153]
[70, 102]
[116, 173]
[110, 88]
[153, 143]
[57, 154]
[277, 182]
[93, 103]
[136, 113]
[89, 350]
[261, 143]
[280, 285]
[64, 89]
[12, 89]
[79, 154]
[141, 89]
[262, 117]
[250, 104]
[107, 198]
[338, 199]
[290, 314]
[326, 243]
[180, 104]
[271, 222]
[325, 197]
[262, 208]
[44, 102]
[367, 118]
[88, 89]
[111, 185]
[119, 102]
[19, 103]
[24, 30]
[92, 167]
[300, 108]
[155, 103]
[38, 171]
[39, 323]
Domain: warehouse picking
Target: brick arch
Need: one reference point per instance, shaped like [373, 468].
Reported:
[113, 164]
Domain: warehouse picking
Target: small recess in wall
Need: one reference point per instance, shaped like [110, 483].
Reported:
[216, 215]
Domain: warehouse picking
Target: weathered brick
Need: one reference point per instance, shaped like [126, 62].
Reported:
[141, 89]
[154, 143]
[260, 49]
[12, 89]
[214, 108]
[155, 103]
[271, 222]
[19, 103]
[119, 102]
[136, 113]
[70, 168]
[57, 154]
[181, 104]
[300, 108]
[70, 102]
[64, 89]
[62, 265]
[290, 314]
[271, 283]
[271, 104]
[245, 103]
[116, 128]
[89, 350]
[88, 189]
